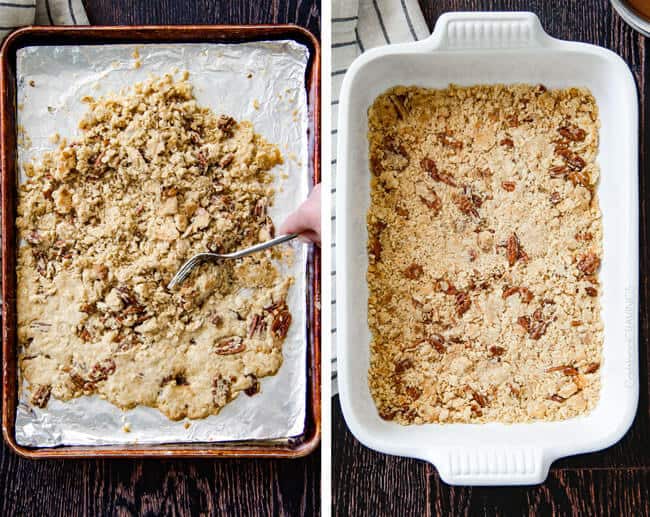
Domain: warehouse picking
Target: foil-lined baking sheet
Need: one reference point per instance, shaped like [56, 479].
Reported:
[263, 82]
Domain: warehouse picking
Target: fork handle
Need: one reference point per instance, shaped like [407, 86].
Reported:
[261, 246]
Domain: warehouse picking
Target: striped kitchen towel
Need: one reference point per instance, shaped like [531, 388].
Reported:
[359, 25]
[18, 13]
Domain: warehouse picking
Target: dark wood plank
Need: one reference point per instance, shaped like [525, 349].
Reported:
[177, 12]
[365, 482]
[150, 487]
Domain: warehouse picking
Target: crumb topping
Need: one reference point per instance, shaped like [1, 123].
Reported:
[484, 245]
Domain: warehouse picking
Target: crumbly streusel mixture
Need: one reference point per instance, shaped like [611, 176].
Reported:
[484, 246]
[107, 221]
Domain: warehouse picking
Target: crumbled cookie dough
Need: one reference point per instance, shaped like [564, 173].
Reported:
[107, 220]
[484, 247]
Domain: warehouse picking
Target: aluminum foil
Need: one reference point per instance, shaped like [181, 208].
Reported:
[262, 82]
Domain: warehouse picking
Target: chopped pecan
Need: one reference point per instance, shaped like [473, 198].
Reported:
[496, 351]
[254, 388]
[525, 293]
[537, 315]
[574, 133]
[432, 201]
[514, 251]
[257, 325]
[230, 345]
[573, 160]
[579, 177]
[387, 414]
[403, 365]
[41, 395]
[508, 186]
[538, 329]
[216, 320]
[524, 321]
[226, 160]
[465, 204]
[555, 198]
[444, 137]
[430, 167]
[399, 103]
[513, 120]
[85, 335]
[583, 236]
[480, 399]
[592, 368]
[414, 271]
[556, 398]
[203, 161]
[33, 237]
[88, 308]
[589, 263]
[558, 171]
[226, 124]
[374, 242]
[565, 369]
[591, 291]
[463, 303]
[413, 392]
[281, 322]
[221, 392]
[101, 370]
[126, 295]
[438, 343]
[507, 142]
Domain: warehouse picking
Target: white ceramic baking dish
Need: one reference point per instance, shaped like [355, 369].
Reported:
[485, 48]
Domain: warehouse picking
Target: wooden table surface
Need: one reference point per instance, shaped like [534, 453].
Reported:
[612, 482]
[181, 487]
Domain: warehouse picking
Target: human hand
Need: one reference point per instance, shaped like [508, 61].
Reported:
[306, 219]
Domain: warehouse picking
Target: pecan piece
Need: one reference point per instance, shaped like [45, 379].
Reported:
[230, 345]
[589, 263]
[444, 139]
[513, 249]
[438, 343]
[556, 398]
[432, 201]
[574, 133]
[592, 367]
[221, 393]
[41, 395]
[567, 370]
[591, 291]
[101, 370]
[403, 365]
[281, 323]
[538, 329]
[463, 303]
[226, 124]
[525, 293]
[254, 388]
[465, 204]
[573, 160]
[496, 351]
[555, 198]
[414, 271]
[430, 167]
[507, 142]
[413, 392]
[508, 186]
[558, 171]
[257, 325]
[481, 400]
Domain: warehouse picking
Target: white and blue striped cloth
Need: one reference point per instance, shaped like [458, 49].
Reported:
[359, 25]
[19, 13]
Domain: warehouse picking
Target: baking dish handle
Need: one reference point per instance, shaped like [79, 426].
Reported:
[491, 465]
[477, 31]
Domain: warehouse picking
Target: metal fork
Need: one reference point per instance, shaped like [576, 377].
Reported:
[200, 258]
